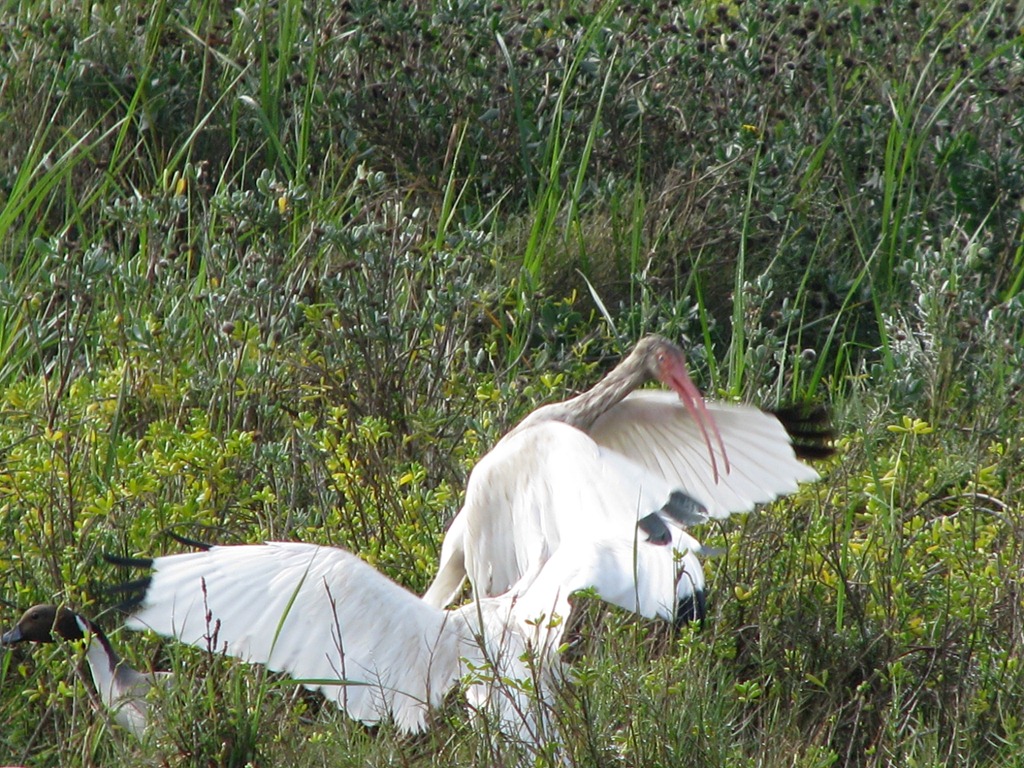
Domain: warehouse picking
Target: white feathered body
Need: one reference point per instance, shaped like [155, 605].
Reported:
[547, 486]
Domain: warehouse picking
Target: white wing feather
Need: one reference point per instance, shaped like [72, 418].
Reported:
[547, 485]
[653, 429]
[645, 578]
[541, 488]
[317, 613]
[551, 488]
[549, 511]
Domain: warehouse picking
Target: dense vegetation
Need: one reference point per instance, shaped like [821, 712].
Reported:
[286, 270]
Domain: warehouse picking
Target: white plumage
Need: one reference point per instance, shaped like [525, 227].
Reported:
[653, 429]
[337, 625]
[590, 468]
[595, 492]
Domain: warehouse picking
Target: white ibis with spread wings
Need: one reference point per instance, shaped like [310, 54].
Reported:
[617, 463]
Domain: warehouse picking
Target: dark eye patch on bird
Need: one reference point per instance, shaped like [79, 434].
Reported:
[685, 510]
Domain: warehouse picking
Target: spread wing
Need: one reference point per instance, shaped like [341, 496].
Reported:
[317, 613]
[551, 487]
[653, 429]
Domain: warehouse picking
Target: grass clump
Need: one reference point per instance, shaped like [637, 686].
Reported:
[288, 272]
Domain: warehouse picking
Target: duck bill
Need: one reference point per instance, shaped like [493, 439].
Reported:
[12, 637]
[692, 399]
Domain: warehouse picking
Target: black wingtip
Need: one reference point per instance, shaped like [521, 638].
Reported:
[135, 592]
[146, 563]
[691, 608]
[129, 562]
[809, 426]
[656, 530]
[685, 510]
[194, 543]
[135, 585]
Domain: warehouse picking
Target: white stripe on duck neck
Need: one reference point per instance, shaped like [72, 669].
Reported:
[121, 688]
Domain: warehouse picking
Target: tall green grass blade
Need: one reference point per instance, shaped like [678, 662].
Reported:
[600, 306]
[548, 200]
[737, 342]
[529, 176]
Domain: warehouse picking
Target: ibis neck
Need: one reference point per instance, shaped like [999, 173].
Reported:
[584, 409]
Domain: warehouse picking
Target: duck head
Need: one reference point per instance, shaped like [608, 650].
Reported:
[40, 623]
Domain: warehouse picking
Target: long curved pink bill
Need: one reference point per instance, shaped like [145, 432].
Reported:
[694, 402]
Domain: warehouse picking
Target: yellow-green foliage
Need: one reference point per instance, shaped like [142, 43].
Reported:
[888, 587]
